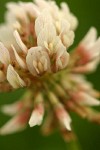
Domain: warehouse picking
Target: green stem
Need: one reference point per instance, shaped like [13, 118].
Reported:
[73, 145]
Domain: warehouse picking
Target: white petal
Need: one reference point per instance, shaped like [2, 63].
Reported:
[62, 61]
[42, 20]
[47, 35]
[69, 16]
[58, 46]
[4, 55]
[11, 109]
[14, 79]
[67, 122]
[19, 59]
[90, 37]
[68, 38]
[65, 7]
[35, 119]
[95, 50]
[19, 42]
[34, 56]
[37, 114]
[6, 35]
[31, 9]
[65, 26]
[62, 57]
[30, 59]
[17, 11]
[42, 3]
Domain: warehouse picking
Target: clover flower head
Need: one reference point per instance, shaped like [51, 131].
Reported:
[34, 55]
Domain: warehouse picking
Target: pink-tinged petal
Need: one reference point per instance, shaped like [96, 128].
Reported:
[60, 111]
[41, 21]
[37, 60]
[63, 116]
[19, 59]
[89, 47]
[4, 55]
[16, 124]
[89, 67]
[20, 42]
[13, 78]
[11, 127]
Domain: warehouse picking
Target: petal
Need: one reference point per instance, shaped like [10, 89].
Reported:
[42, 20]
[89, 67]
[31, 9]
[69, 16]
[17, 123]
[4, 55]
[42, 3]
[86, 99]
[63, 116]
[47, 35]
[65, 26]
[12, 109]
[68, 38]
[90, 37]
[11, 127]
[60, 112]
[17, 11]
[19, 42]
[65, 7]
[36, 56]
[62, 61]
[19, 59]
[14, 79]
[95, 50]
[38, 112]
[6, 35]
[35, 119]
[30, 58]
[62, 57]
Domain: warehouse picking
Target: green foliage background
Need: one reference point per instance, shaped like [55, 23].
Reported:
[88, 13]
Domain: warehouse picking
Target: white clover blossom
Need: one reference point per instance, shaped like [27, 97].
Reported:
[34, 55]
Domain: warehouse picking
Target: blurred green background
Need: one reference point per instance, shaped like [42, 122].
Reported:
[88, 13]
